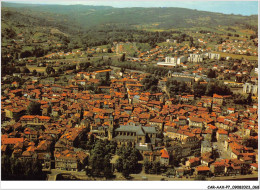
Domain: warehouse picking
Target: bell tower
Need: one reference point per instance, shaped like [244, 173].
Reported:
[111, 128]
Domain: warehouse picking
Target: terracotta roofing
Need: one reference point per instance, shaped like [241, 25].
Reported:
[202, 168]
[164, 153]
[192, 160]
[217, 96]
[29, 117]
[3, 148]
[101, 71]
[11, 140]
[254, 165]
[222, 132]
[196, 119]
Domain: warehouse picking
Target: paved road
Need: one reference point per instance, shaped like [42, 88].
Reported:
[238, 177]
[149, 177]
[113, 67]
[54, 172]
[79, 58]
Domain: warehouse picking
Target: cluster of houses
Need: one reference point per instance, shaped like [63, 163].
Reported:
[242, 47]
[161, 53]
[124, 113]
[79, 53]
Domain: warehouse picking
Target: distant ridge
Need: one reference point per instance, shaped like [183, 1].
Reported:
[89, 16]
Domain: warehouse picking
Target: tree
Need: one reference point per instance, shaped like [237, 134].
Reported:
[119, 164]
[122, 70]
[250, 142]
[147, 166]
[25, 70]
[49, 70]
[128, 161]
[14, 169]
[34, 108]
[122, 58]
[183, 160]
[239, 99]
[249, 99]
[34, 73]
[84, 65]
[174, 87]
[26, 53]
[200, 177]
[218, 88]
[109, 50]
[152, 167]
[199, 89]
[60, 71]
[150, 83]
[107, 76]
[212, 74]
[170, 171]
[157, 167]
[5, 167]
[100, 159]
[107, 167]
[96, 159]
[220, 41]
[38, 52]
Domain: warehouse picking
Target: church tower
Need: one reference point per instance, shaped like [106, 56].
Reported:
[111, 128]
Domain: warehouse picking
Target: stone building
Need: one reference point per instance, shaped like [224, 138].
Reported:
[132, 134]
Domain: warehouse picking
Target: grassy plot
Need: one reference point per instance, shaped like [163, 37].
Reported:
[39, 35]
[253, 73]
[235, 56]
[27, 48]
[104, 54]
[38, 69]
[102, 46]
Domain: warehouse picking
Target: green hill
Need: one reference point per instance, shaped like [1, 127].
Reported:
[39, 29]
[86, 17]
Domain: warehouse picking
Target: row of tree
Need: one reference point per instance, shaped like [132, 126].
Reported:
[210, 88]
[150, 83]
[177, 88]
[16, 169]
[127, 162]
[99, 161]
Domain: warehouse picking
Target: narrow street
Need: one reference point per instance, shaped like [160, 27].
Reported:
[54, 172]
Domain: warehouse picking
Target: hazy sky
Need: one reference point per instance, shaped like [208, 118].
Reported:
[228, 7]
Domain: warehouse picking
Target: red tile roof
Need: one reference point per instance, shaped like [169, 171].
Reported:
[196, 119]
[202, 168]
[164, 153]
[222, 132]
[13, 141]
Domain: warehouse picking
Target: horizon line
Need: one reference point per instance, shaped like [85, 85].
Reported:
[186, 4]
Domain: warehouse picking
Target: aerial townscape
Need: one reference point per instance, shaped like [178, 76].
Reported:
[105, 93]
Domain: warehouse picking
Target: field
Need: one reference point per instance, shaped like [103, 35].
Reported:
[235, 56]
[34, 67]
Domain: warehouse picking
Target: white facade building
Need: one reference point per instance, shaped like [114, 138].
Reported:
[214, 56]
[250, 88]
[172, 61]
[195, 58]
[181, 59]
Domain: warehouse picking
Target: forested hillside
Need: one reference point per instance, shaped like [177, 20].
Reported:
[34, 30]
[164, 18]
